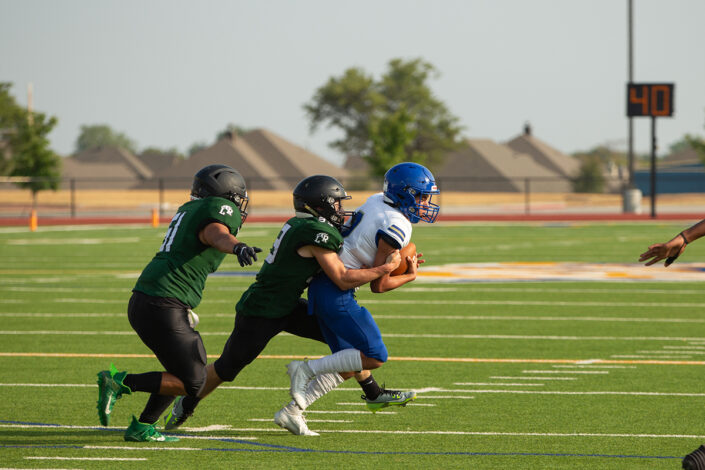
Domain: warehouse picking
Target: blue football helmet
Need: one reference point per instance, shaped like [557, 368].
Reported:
[403, 183]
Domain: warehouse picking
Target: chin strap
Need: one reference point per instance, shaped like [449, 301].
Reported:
[312, 211]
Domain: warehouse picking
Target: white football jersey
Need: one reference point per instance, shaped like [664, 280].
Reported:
[371, 219]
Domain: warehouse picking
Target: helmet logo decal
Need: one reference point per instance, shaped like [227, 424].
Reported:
[226, 210]
[321, 237]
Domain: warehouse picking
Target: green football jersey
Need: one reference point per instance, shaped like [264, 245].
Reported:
[182, 264]
[285, 274]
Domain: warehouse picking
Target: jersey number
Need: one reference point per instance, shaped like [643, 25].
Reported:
[171, 232]
[275, 248]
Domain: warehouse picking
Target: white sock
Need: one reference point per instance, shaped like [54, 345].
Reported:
[316, 388]
[320, 385]
[347, 360]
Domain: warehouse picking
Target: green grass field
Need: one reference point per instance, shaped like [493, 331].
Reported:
[527, 375]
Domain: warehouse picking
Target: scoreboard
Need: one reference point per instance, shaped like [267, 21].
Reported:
[650, 99]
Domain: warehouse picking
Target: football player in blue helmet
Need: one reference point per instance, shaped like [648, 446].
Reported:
[409, 187]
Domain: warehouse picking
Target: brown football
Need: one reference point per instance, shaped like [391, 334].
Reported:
[408, 250]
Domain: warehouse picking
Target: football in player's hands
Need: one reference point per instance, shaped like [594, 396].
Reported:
[408, 250]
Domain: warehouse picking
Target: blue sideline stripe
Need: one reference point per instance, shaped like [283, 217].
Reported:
[275, 448]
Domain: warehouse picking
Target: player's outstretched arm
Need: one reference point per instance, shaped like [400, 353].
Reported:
[219, 237]
[674, 247]
[346, 278]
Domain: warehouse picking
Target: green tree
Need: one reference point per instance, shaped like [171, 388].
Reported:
[101, 135]
[24, 146]
[696, 142]
[590, 177]
[391, 137]
[679, 145]
[165, 152]
[231, 130]
[11, 115]
[196, 147]
[386, 121]
[32, 157]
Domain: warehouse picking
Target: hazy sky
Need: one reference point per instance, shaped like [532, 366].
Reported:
[172, 73]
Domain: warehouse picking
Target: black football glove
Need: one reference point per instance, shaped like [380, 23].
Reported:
[246, 254]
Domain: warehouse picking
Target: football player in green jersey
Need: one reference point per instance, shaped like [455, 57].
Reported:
[307, 244]
[199, 236]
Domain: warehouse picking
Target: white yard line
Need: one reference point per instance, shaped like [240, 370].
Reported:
[387, 335]
[138, 448]
[592, 372]
[532, 378]
[122, 459]
[533, 318]
[592, 366]
[411, 432]
[521, 303]
[498, 384]
[536, 302]
[513, 318]
[269, 420]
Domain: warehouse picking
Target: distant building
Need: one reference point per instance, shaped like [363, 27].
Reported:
[544, 154]
[105, 168]
[680, 172]
[481, 165]
[486, 166]
[265, 160]
[157, 162]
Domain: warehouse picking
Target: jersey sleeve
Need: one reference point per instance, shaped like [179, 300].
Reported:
[322, 235]
[396, 231]
[223, 211]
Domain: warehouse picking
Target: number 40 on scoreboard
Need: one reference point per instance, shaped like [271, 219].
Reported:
[650, 99]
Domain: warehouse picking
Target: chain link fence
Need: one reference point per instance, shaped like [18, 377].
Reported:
[122, 197]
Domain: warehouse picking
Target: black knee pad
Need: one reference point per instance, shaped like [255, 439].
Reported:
[195, 387]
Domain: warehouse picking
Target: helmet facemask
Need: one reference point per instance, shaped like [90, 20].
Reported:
[241, 201]
[332, 212]
[427, 211]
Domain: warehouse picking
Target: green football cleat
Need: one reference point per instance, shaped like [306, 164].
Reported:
[110, 389]
[140, 432]
[388, 398]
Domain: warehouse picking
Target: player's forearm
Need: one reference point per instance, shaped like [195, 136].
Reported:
[224, 243]
[351, 278]
[218, 236]
[387, 283]
[696, 231]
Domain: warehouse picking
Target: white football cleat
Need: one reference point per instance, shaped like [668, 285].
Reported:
[295, 423]
[300, 374]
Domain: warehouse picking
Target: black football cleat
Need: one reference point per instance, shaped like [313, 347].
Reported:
[695, 460]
